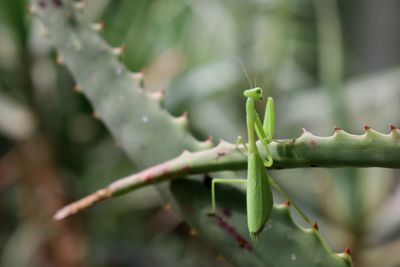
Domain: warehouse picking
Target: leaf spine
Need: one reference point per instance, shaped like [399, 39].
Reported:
[80, 5]
[347, 251]
[206, 144]
[157, 96]
[98, 26]
[185, 153]
[183, 119]
[138, 78]
[167, 207]
[192, 232]
[118, 50]
[96, 115]
[32, 10]
[60, 59]
[77, 88]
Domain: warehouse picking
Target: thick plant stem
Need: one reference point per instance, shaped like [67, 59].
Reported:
[331, 68]
[372, 149]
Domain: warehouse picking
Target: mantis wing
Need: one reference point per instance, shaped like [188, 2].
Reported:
[259, 195]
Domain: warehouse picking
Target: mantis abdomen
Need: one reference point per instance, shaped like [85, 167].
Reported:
[259, 195]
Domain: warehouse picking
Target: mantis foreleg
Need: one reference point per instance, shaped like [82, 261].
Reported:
[265, 131]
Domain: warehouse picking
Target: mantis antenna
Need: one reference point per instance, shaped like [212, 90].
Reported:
[245, 72]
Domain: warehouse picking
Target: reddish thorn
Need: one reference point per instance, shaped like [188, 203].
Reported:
[315, 226]
[98, 26]
[183, 119]
[32, 9]
[80, 5]
[221, 142]
[392, 127]
[337, 129]
[192, 233]
[158, 95]
[220, 258]
[366, 127]
[304, 130]
[119, 50]
[59, 59]
[96, 115]
[287, 203]
[77, 88]
[138, 75]
[347, 251]
[208, 142]
[185, 152]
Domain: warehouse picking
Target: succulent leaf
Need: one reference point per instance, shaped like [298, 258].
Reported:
[132, 115]
[281, 243]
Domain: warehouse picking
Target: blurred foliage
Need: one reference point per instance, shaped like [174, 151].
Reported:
[325, 67]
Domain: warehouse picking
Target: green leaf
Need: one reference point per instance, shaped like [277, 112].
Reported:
[281, 243]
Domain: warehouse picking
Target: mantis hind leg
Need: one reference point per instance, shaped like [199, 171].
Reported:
[222, 181]
[286, 195]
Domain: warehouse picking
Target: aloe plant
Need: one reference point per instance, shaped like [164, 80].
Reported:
[282, 243]
[135, 117]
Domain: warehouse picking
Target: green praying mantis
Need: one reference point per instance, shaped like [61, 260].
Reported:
[259, 193]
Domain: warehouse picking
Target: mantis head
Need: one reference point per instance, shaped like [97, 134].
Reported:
[254, 93]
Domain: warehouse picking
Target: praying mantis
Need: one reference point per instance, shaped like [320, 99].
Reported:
[259, 183]
[259, 193]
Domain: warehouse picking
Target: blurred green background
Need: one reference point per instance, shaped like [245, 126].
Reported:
[327, 63]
